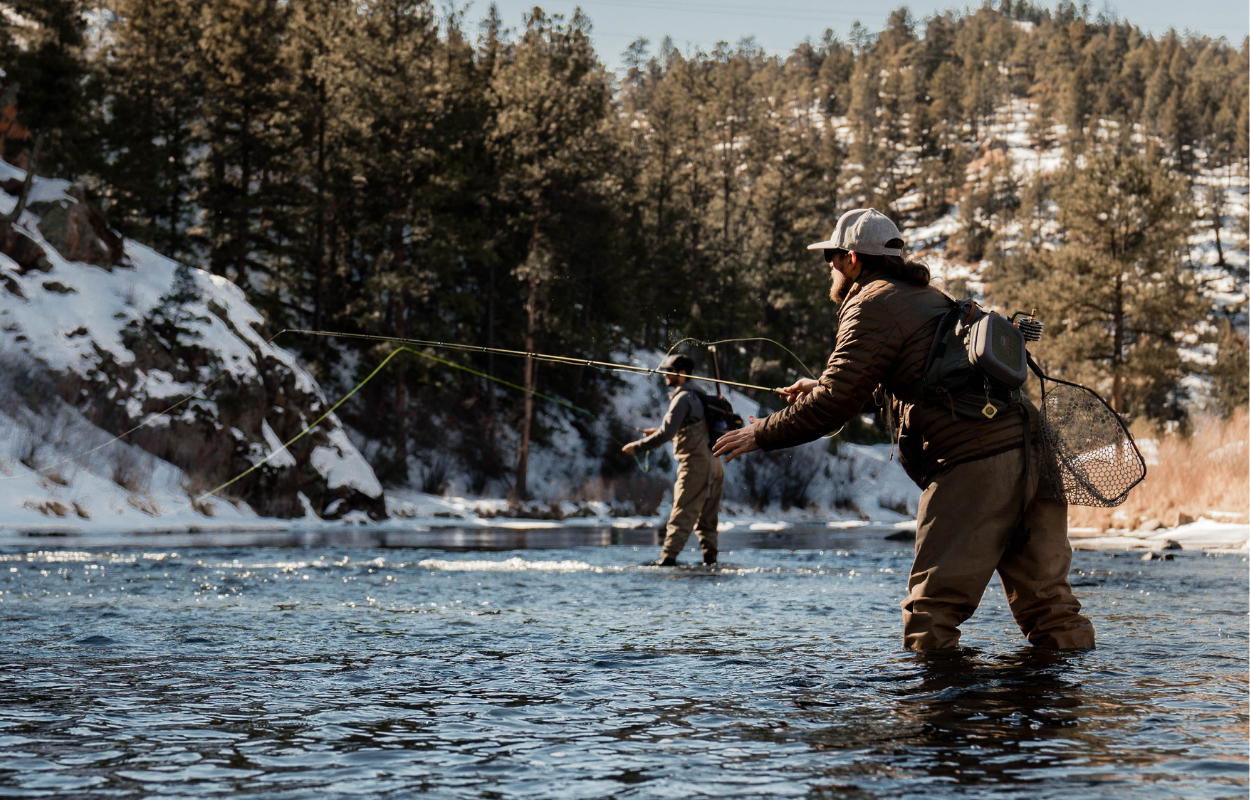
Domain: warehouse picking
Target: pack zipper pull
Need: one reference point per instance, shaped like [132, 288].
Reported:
[989, 411]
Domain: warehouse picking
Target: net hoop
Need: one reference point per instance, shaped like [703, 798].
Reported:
[1089, 457]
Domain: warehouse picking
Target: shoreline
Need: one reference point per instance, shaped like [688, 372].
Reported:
[514, 533]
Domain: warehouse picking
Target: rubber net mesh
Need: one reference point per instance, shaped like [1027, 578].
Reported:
[1090, 458]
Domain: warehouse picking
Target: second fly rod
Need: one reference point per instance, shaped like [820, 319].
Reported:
[547, 357]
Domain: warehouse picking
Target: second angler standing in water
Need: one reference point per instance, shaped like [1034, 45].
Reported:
[700, 476]
[983, 508]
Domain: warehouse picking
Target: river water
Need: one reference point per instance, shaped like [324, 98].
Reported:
[573, 672]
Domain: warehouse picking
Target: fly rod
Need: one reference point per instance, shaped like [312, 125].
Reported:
[553, 359]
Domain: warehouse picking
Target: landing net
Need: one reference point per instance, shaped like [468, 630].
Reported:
[1088, 455]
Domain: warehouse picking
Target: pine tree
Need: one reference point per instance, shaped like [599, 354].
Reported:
[153, 92]
[314, 51]
[661, 115]
[1231, 370]
[551, 98]
[403, 89]
[170, 320]
[787, 167]
[989, 202]
[243, 183]
[52, 72]
[1117, 293]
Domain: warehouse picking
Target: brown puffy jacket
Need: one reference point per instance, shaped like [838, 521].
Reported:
[885, 329]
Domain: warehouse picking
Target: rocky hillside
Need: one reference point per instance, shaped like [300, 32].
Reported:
[121, 337]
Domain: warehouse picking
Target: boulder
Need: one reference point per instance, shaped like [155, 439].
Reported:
[27, 254]
[78, 231]
[1176, 518]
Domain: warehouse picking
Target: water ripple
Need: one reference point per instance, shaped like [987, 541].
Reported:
[347, 672]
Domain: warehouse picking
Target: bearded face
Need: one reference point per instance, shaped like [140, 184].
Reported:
[841, 285]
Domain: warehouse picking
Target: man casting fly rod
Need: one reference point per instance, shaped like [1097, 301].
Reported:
[969, 448]
[700, 476]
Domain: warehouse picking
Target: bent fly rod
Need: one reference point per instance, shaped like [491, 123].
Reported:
[547, 357]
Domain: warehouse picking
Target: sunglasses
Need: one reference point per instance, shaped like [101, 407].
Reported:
[830, 253]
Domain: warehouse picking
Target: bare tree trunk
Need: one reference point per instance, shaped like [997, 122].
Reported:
[400, 329]
[175, 207]
[761, 321]
[399, 322]
[531, 313]
[241, 244]
[1117, 355]
[319, 245]
[661, 236]
[492, 411]
[217, 259]
[1215, 196]
[31, 163]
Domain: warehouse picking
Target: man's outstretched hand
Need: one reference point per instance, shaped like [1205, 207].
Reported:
[736, 443]
[800, 388]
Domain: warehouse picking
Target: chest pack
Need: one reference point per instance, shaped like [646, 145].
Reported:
[977, 362]
[720, 415]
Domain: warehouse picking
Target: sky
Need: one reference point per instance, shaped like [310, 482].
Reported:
[779, 25]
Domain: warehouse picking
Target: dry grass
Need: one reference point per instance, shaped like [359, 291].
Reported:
[1206, 473]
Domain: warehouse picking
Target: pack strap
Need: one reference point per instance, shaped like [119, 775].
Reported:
[938, 348]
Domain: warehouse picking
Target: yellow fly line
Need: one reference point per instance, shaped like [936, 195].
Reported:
[152, 418]
[370, 377]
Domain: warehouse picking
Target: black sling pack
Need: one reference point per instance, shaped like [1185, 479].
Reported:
[720, 415]
[977, 363]
[976, 367]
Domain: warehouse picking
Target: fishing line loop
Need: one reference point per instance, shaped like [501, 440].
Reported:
[151, 418]
[643, 464]
[702, 343]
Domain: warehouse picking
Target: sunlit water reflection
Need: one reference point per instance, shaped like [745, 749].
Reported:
[575, 673]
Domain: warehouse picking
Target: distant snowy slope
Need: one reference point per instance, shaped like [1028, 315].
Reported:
[1008, 140]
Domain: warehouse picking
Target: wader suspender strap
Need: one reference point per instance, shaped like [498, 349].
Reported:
[1021, 535]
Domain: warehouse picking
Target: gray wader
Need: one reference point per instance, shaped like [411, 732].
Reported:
[696, 495]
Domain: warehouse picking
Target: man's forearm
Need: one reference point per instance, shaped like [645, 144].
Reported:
[810, 418]
[677, 413]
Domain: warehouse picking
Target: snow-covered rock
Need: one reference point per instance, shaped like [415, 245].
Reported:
[171, 356]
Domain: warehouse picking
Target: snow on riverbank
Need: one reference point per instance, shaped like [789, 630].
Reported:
[120, 495]
[71, 317]
[1203, 534]
[166, 516]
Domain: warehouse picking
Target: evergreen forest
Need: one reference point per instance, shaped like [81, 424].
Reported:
[391, 168]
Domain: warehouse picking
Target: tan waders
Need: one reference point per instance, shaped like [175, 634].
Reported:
[696, 495]
[966, 516]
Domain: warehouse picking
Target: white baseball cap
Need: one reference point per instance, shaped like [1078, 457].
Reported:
[863, 230]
